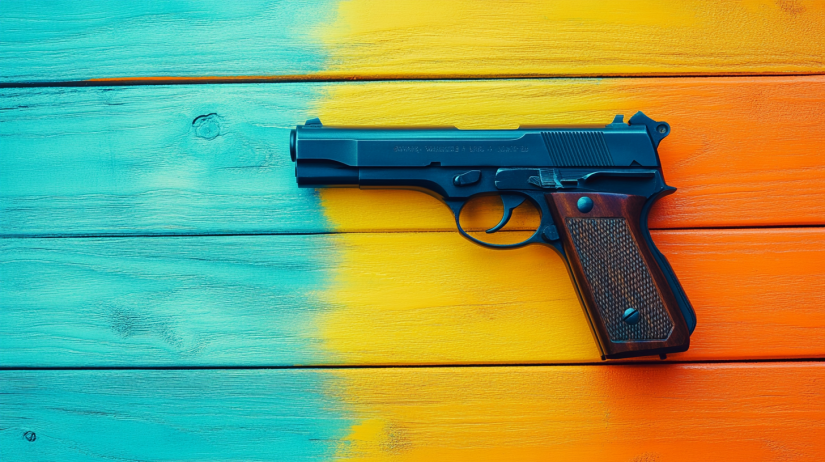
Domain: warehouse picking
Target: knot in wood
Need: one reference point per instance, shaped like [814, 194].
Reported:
[207, 126]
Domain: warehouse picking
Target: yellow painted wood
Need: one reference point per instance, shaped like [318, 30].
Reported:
[435, 38]
[437, 298]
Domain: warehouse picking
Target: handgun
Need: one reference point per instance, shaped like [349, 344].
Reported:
[593, 188]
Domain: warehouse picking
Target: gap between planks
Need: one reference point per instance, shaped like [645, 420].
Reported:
[340, 78]
[368, 231]
[622, 363]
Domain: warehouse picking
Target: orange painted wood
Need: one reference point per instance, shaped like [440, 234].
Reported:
[759, 412]
[752, 288]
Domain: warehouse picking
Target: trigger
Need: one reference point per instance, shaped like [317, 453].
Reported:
[510, 201]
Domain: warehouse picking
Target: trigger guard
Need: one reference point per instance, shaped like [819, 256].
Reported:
[535, 238]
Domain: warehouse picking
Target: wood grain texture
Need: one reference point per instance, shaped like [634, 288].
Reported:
[411, 38]
[207, 415]
[140, 160]
[586, 37]
[212, 159]
[387, 298]
[744, 412]
[71, 40]
[174, 301]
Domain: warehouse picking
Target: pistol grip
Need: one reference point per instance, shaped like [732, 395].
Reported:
[631, 300]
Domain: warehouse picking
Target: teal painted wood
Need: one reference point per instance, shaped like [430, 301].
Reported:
[174, 301]
[140, 160]
[198, 415]
[65, 40]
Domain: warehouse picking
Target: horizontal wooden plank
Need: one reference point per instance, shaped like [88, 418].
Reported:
[392, 298]
[52, 41]
[111, 161]
[760, 412]
[139, 159]
[48, 41]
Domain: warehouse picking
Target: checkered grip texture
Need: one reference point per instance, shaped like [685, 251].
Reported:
[619, 278]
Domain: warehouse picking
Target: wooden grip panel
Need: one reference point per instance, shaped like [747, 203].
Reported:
[619, 278]
[631, 308]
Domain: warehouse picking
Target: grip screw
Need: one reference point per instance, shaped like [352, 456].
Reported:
[585, 204]
[631, 316]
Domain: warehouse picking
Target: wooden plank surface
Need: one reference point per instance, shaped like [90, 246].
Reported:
[72, 40]
[386, 298]
[129, 160]
[732, 412]
[411, 38]
[138, 159]
[355, 281]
